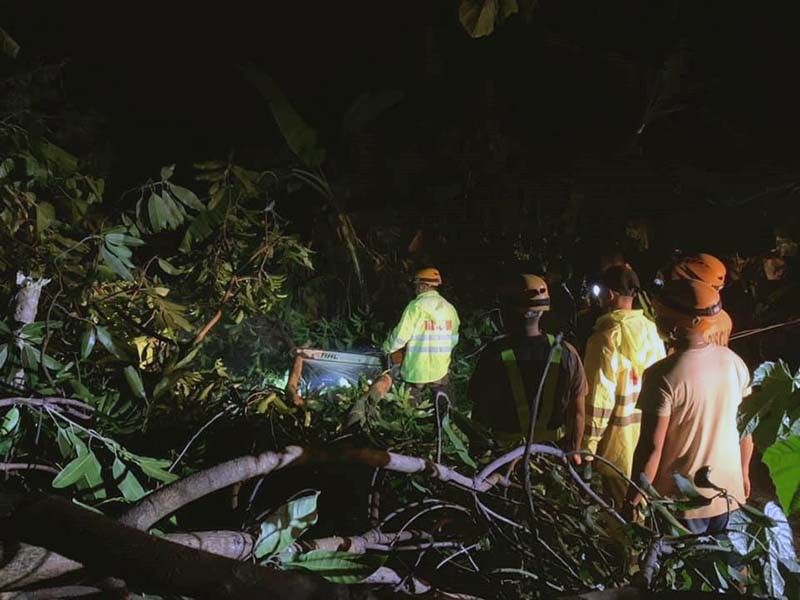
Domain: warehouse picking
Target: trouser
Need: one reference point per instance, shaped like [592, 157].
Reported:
[417, 389]
[710, 525]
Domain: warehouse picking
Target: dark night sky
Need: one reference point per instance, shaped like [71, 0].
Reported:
[567, 85]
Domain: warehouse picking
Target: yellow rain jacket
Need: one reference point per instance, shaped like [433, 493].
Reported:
[428, 330]
[624, 343]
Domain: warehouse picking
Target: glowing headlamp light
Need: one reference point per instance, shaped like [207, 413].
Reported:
[596, 289]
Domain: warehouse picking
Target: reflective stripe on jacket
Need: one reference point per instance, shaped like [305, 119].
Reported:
[623, 345]
[428, 330]
[524, 401]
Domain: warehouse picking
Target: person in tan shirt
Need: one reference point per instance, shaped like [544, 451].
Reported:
[689, 403]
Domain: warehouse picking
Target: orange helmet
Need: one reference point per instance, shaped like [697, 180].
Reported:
[687, 304]
[701, 267]
[527, 292]
[428, 275]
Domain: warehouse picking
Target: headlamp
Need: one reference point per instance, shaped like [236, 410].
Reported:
[596, 289]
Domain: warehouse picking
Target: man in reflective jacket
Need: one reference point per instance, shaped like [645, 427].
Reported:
[624, 343]
[509, 374]
[426, 335]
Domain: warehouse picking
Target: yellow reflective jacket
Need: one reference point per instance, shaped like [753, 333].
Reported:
[428, 330]
[624, 343]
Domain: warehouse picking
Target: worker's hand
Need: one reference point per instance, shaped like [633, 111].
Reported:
[746, 481]
[630, 506]
[576, 459]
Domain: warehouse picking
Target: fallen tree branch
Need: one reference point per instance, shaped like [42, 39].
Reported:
[168, 499]
[26, 467]
[69, 405]
[150, 563]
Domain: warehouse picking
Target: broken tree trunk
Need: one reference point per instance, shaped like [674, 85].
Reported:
[30, 290]
[149, 563]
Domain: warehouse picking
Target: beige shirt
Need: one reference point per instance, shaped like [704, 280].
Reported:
[700, 391]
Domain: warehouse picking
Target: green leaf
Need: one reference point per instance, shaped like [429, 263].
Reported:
[30, 358]
[478, 16]
[94, 477]
[368, 107]
[6, 167]
[4, 328]
[774, 404]
[153, 467]
[88, 340]
[8, 45]
[122, 239]
[783, 461]
[64, 162]
[338, 567]
[74, 470]
[285, 525]
[127, 483]
[157, 213]
[301, 138]
[163, 386]
[3, 354]
[105, 339]
[10, 422]
[450, 431]
[135, 382]
[186, 196]
[169, 268]
[166, 172]
[114, 263]
[186, 360]
[201, 227]
[45, 215]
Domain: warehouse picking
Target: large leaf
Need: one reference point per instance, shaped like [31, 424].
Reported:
[783, 461]
[115, 263]
[452, 434]
[338, 567]
[135, 382]
[64, 162]
[8, 45]
[127, 483]
[154, 467]
[108, 342]
[186, 197]
[45, 215]
[75, 470]
[774, 407]
[3, 354]
[368, 107]
[781, 551]
[478, 17]
[88, 340]
[301, 138]
[202, 226]
[285, 525]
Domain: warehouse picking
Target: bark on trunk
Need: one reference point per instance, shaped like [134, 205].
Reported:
[150, 563]
[30, 290]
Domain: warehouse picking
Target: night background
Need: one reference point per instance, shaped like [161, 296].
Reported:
[566, 133]
[544, 109]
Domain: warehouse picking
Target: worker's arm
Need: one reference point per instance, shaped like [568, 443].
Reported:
[576, 403]
[655, 401]
[746, 446]
[601, 396]
[400, 335]
[647, 456]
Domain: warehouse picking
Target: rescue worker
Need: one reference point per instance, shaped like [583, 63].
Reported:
[624, 343]
[426, 335]
[689, 402]
[509, 372]
[711, 271]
